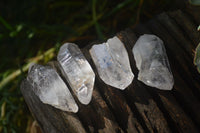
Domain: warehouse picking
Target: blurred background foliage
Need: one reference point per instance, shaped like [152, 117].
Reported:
[33, 30]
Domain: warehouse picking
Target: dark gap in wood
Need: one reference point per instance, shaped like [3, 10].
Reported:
[119, 131]
[154, 129]
[145, 113]
[137, 129]
[83, 123]
[92, 118]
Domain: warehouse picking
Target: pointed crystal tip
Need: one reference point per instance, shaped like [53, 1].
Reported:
[152, 62]
[112, 63]
[50, 88]
[77, 71]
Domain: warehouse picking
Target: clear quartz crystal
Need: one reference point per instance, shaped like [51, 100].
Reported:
[77, 71]
[152, 62]
[112, 62]
[50, 88]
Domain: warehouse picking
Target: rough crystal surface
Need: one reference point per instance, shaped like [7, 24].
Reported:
[152, 62]
[50, 88]
[112, 62]
[77, 71]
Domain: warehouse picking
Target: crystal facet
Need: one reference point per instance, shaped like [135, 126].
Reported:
[77, 71]
[152, 62]
[50, 88]
[112, 62]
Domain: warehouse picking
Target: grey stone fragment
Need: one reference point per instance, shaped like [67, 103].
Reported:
[152, 62]
[112, 62]
[50, 88]
[77, 71]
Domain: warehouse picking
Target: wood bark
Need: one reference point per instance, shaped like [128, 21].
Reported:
[139, 108]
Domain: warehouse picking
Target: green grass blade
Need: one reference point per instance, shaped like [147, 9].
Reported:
[7, 25]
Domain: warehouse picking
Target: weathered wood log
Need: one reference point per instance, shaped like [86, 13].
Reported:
[139, 108]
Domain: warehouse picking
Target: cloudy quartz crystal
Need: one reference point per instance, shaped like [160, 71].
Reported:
[112, 62]
[152, 62]
[50, 88]
[77, 71]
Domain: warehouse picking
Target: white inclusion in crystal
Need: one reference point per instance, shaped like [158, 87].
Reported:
[152, 62]
[112, 62]
[50, 88]
[77, 71]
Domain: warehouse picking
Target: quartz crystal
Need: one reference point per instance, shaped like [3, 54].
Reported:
[77, 71]
[50, 88]
[152, 62]
[112, 62]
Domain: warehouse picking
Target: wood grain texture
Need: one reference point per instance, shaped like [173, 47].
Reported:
[139, 108]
